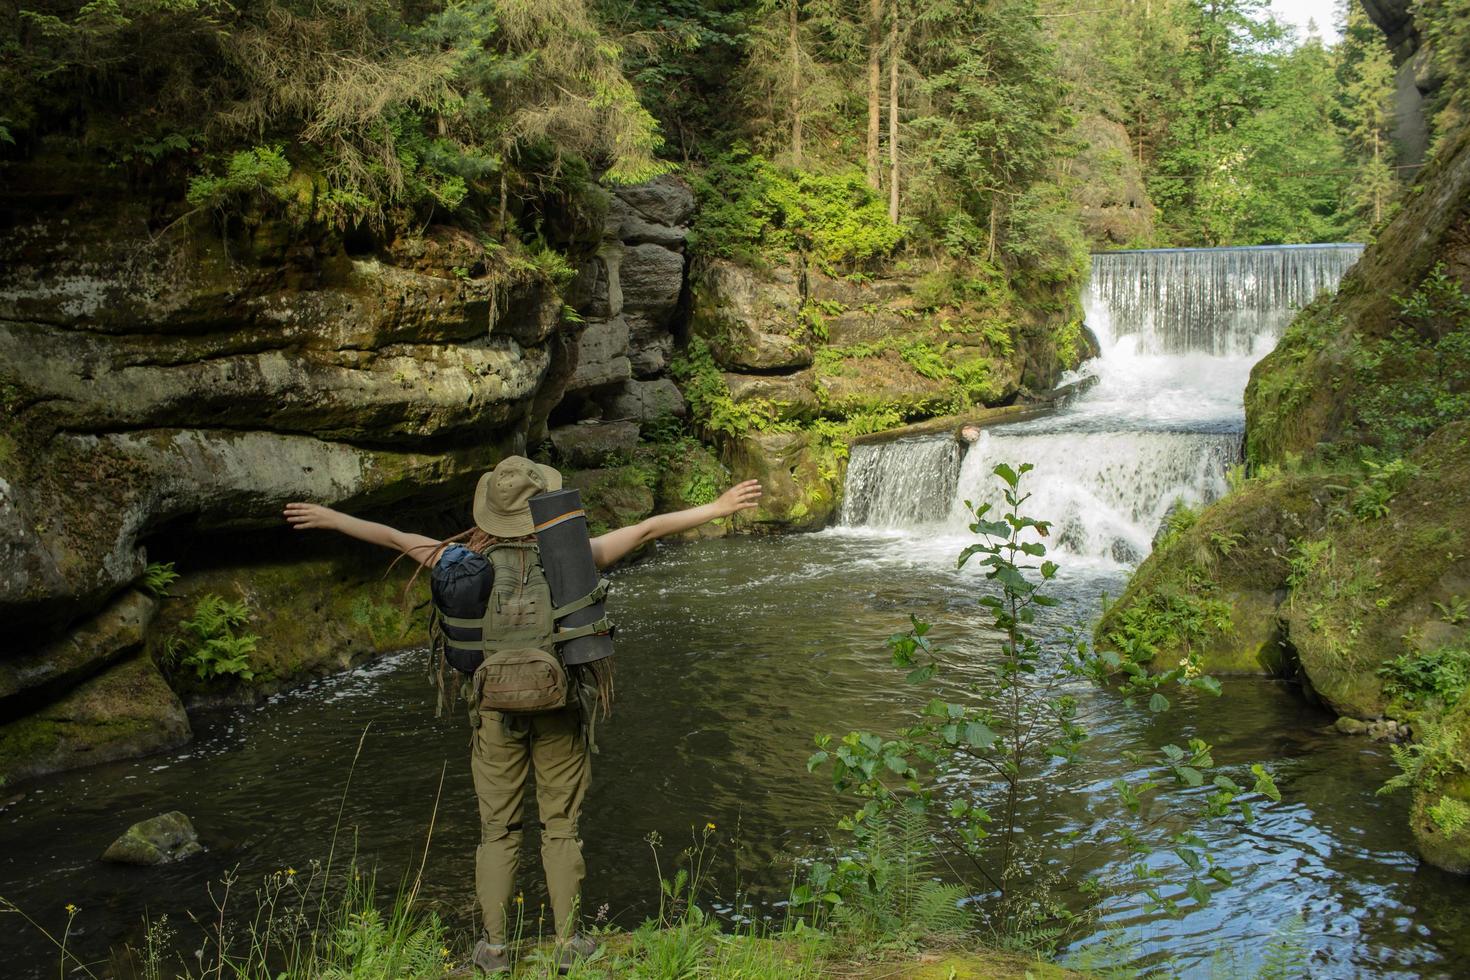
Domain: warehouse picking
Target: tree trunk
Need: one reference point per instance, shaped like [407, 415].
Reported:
[795, 83]
[875, 71]
[893, 58]
[1377, 186]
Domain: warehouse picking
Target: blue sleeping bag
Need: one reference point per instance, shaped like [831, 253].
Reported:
[460, 585]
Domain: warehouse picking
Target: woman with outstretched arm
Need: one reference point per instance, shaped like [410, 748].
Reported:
[508, 746]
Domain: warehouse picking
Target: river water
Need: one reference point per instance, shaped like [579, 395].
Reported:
[734, 653]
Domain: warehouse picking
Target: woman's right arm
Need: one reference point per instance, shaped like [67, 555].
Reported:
[305, 517]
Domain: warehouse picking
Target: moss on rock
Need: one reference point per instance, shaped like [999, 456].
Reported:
[316, 607]
[1366, 589]
[124, 712]
[1438, 770]
[1213, 590]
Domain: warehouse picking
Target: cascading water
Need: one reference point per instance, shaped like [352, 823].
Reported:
[1179, 330]
[1211, 300]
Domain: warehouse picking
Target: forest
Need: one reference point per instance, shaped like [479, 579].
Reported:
[1054, 416]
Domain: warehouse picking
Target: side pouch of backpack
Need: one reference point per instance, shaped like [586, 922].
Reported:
[521, 681]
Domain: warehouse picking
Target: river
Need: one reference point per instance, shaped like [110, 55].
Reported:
[734, 653]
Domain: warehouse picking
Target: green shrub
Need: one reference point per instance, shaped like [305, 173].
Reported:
[751, 209]
[208, 641]
[260, 173]
[1422, 679]
[157, 577]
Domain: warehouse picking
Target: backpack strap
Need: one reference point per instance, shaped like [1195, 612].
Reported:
[598, 594]
[603, 625]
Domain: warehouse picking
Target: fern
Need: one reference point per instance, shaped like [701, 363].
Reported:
[158, 576]
[208, 643]
[1286, 955]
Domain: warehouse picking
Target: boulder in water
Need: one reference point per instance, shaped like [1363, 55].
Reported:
[164, 839]
[1124, 553]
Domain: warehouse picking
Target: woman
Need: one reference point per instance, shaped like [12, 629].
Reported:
[508, 748]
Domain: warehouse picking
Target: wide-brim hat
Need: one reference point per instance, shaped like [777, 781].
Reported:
[501, 507]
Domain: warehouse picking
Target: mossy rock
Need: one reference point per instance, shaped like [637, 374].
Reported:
[164, 839]
[1370, 590]
[616, 496]
[1440, 815]
[124, 712]
[316, 607]
[1231, 566]
[801, 480]
[884, 382]
[1305, 395]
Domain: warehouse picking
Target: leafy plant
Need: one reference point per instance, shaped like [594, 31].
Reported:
[208, 641]
[158, 576]
[1437, 676]
[1026, 717]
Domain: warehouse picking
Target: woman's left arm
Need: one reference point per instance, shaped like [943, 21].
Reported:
[608, 548]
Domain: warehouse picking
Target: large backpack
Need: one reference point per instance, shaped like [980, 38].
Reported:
[510, 648]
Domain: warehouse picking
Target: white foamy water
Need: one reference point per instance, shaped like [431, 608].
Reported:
[1179, 331]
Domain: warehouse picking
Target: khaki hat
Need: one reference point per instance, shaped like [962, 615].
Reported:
[500, 498]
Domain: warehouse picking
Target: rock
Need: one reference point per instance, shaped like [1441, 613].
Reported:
[597, 292]
[1350, 726]
[1238, 593]
[602, 355]
[146, 380]
[1113, 203]
[1124, 553]
[801, 483]
[1367, 590]
[855, 295]
[651, 278]
[590, 445]
[1304, 393]
[124, 712]
[645, 401]
[866, 326]
[664, 200]
[750, 319]
[614, 497]
[50, 670]
[884, 382]
[793, 396]
[317, 606]
[165, 839]
[632, 228]
[649, 346]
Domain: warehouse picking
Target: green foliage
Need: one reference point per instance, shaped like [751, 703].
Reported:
[1022, 725]
[158, 576]
[1445, 27]
[389, 111]
[256, 174]
[1371, 499]
[709, 396]
[1431, 678]
[750, 208]
[1424, 764]
[1449, 815]
[1417, 378]
[208, 641]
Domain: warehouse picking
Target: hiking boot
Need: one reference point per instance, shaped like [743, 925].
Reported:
[490, 960]
[573, 950]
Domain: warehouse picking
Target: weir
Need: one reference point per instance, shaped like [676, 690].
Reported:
[1179, 330]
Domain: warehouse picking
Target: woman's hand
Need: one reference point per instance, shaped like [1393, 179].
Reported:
[313, 516]
[742, 496]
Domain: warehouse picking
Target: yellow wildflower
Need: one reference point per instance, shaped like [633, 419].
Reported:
[709, 826]
[290, 872]
[71, 909]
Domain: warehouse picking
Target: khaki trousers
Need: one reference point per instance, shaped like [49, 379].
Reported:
[505, 752]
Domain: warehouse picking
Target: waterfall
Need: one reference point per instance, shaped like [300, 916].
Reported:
[1179, 331]
[901, 484]
[1216, 300]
